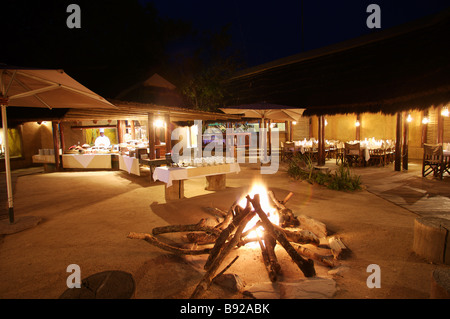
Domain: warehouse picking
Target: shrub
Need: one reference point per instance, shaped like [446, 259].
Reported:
[301, 167]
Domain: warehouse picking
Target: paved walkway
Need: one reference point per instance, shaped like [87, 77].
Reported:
[424, 196]
[408, 189]
[3, 191]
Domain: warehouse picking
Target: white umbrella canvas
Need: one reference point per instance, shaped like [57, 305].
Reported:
[44, 88]
[268, 111]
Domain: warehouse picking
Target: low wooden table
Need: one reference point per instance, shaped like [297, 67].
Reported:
[174, 177]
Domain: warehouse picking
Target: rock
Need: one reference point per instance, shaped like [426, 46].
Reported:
[264, 290]
[231, 282]
[338, 271]
[311, 288]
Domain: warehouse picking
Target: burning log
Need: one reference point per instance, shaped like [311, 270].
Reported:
[178, 251]
[200, 226]
[265, 255]
[225, 234]
[204, 284]
[300, 236]
[316, 227]
[337, 246]
[311, 254]
[287, 218]
[273, 223]
[306, 266]
[270, 243]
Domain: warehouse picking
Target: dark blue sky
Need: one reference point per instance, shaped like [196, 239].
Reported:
[267, 30]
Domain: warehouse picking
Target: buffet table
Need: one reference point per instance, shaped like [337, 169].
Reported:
[174, 177]
[129, 164]
[86, 161]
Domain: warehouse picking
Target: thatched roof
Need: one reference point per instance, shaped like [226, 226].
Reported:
[403, 68]
[139, 111]
[156, 90]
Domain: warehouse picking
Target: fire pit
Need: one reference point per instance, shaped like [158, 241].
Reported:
[257, 220]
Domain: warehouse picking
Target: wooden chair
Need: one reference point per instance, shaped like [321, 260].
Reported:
[377, 156]
[287, 150]
[433, 160]
[353, 154]
[339, 155]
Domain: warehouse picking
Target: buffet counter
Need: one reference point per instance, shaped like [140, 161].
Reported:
[87, 161]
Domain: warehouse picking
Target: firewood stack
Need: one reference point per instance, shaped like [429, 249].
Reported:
[293, 234]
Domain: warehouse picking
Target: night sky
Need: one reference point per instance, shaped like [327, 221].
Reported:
[265, 30]
[118, 45]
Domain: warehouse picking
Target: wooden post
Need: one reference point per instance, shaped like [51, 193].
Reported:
[151, 136]
[168, 132]
[121, 130]
[269, 125]
[440, 126]
[424, 129]
[358, 128]
[132, 129]
[61, 135]
[321, 146]
[56, 144]
[405, 142]
[398, 143]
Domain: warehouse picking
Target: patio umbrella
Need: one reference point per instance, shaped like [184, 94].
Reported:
[264, 110]
[47, 88]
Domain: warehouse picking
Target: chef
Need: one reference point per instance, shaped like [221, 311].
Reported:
[102, 140]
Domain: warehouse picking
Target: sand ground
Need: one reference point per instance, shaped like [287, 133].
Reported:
[86, 217]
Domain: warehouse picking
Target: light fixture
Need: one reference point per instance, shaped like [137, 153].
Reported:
[326, 122]
[425, 120]
[357, 123]
[294, 123]
[445, 112]
[409, 118]
[159, 123]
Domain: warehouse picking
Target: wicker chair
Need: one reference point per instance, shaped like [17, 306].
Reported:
[433, 160]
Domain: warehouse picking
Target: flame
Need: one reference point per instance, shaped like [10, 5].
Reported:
[267, 207]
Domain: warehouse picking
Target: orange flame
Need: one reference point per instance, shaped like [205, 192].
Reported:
[267, 207]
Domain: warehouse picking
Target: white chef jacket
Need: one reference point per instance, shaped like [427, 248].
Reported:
[102, 141]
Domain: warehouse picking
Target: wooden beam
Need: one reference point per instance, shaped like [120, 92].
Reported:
[321, 137]
[358, 128]
[398, 142]
[168, 132]
[405, 142]
[56, 146]
[440, 126]
[151, 135]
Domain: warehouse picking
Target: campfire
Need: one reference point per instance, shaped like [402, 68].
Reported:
[257, 220]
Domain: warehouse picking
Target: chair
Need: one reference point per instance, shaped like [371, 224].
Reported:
[433, 160]
[353, 154]
[287, 150]
[377, 156]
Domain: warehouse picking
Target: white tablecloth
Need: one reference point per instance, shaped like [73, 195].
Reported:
[89, 161]
[169, 174]
[129, 164]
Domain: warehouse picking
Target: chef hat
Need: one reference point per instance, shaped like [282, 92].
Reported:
[102, 130]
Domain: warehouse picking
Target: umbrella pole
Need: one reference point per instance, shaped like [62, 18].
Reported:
[7, 165]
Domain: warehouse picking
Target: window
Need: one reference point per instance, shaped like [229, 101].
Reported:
[15, 143]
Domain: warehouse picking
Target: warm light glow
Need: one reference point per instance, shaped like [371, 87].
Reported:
[326, 122]
[357, 123]
[266, 205]
[445, 112]
[159, 123]
[409, 118]
[294, 123]
[425, 120]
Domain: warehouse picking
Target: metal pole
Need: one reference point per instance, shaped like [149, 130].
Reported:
[7, 165]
